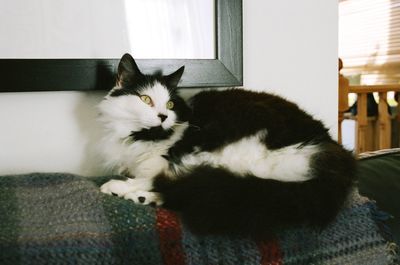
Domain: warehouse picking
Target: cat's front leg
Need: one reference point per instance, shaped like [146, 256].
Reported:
[145, 197]
[123, 187]
[138, 190]
[117, 187]
[143, 193]
[149, 168]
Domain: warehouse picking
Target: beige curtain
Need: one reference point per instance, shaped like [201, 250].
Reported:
[369, 40]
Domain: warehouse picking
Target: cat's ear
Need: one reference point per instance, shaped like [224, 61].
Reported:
[128, 71]
[173, 79]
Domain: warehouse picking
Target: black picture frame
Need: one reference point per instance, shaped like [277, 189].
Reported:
[22, 75]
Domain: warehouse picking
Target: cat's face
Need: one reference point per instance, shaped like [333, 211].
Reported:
[141, 101]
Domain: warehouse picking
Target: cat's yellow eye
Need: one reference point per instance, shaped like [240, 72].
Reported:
[170, 105]
[146, 99]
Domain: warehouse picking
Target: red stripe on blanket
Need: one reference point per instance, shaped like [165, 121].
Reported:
[270, 252]
[170, 234]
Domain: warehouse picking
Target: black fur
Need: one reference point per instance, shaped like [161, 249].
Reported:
[131, 80]
[216, 201]
[222, 117]
[152, 134]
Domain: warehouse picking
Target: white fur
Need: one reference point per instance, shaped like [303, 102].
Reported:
[141, 159]
[133, 189]
[124, 114]
[250, 156]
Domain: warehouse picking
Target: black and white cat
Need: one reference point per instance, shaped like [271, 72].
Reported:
[230, 162]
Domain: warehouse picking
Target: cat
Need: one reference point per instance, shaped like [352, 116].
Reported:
[229, 162]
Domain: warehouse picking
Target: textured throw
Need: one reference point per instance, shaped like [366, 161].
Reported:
[64, 219]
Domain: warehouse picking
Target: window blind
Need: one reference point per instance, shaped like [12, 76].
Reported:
[369, 40]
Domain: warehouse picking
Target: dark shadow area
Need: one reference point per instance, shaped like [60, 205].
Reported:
[394, 34]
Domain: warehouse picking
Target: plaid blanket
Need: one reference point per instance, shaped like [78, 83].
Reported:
[64, 219]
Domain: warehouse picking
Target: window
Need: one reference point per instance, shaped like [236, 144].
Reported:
[369, 40]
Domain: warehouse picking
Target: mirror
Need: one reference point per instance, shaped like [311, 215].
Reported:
[149, 29]
[62, 46]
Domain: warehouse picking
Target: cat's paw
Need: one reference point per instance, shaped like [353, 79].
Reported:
[117, 187]
[144, 197]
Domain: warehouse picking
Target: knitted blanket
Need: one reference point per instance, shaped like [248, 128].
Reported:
[64, 219]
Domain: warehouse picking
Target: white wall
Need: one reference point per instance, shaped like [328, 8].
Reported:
[290, 48]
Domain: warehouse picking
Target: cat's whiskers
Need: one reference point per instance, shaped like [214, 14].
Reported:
[187, 124]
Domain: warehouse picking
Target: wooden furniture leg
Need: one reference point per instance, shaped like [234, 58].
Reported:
[384, 122]
[362, 123]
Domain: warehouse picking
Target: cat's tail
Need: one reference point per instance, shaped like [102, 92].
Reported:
[216, 201]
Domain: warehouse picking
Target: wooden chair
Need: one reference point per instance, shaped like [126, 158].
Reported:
[372, 133]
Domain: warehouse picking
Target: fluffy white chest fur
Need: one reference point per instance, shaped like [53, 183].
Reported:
[142, 159]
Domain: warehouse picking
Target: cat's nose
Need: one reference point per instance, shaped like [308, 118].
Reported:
[162, 117]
